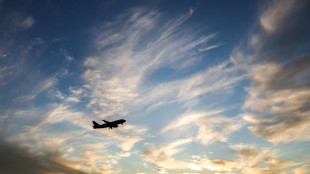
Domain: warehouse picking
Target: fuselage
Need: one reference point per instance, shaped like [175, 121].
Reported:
[113, 124]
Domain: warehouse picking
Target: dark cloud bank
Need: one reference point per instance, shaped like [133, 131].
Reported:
[278, 60]
[16, 160]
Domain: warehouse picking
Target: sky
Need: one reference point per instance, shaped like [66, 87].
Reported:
[206, 87]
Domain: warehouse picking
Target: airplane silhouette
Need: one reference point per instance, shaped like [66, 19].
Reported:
[108, 124]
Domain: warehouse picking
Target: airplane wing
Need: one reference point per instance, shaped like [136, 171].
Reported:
[113, 124]
[97, 126]
[104, 126]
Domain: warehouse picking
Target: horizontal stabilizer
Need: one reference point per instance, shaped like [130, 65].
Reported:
[107, 122]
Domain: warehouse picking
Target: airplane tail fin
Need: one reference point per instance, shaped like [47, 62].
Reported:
[95, 124]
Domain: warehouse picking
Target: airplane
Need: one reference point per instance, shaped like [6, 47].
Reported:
[108, 124]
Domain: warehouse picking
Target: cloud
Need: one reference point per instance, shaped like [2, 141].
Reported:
[216, 129]
[276, 13]
[211, 127]
[69, 58]
[188, 118]
[60, 39]
[279, 92]
[300, 170]
[55, 94]
[274, 76]
[128, 136]
[209, 48]
[64, 52]
[15, 159]
[26, 22]
[20, 21]
[3, 54]
[161, 170]
[91, 160]
[162, 155]
[249, 159]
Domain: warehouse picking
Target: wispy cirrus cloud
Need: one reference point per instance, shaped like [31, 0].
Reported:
[211, 126]
[126, 58]
[209, 48]
[217, 79]
[279, 94]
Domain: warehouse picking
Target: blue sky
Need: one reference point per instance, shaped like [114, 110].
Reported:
[212, 87]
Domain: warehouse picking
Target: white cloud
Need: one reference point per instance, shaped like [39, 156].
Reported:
[209, 48]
